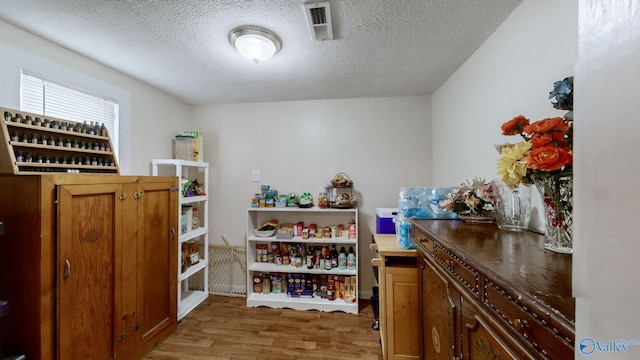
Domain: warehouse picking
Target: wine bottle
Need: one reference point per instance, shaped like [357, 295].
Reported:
[309, 258]
[334, 257]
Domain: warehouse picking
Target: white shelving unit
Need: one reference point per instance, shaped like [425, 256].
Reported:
[318, 216]
[193, 283]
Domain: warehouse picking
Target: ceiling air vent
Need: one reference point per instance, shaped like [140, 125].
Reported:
[319, 20]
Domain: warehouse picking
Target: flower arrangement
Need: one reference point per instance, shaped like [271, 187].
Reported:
[547, 149]
[474, 196]
[545, 158]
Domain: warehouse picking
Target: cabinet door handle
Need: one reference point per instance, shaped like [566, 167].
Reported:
[173, 234]
[67, 268]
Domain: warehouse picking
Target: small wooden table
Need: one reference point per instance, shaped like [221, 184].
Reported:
[400, 320]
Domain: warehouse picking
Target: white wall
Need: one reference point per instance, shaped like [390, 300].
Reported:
[605, 263]
[145, 112]
[511, 74]
[382, 144]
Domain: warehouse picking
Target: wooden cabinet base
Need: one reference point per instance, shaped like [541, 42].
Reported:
[490, 294]
[89, 270]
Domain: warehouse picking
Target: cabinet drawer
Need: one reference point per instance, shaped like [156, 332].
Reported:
[467, 276]
[536, 331]
[423, 240]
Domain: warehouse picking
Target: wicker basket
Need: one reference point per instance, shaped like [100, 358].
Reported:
[341, 180]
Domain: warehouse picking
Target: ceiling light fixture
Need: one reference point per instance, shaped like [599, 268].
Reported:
[255, 43]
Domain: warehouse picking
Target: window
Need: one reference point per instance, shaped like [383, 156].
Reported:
[47, 98]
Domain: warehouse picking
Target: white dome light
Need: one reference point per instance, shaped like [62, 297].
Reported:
[255, 43]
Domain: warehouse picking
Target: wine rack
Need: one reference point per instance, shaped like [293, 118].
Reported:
[35, 144]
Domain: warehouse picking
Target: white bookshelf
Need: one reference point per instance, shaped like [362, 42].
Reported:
[193, 283]
[318, 216]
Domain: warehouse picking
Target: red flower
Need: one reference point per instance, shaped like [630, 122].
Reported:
[515, 125]
[558, 136]
[550, 158]
[546, 125]
[539, 140]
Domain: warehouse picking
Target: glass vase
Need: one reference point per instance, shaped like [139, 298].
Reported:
[512, 206]
[556, 192]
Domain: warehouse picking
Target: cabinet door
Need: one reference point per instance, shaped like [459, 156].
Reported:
[402, 304]
[156, 261]
[440, 315]
[88, 242]
[482, 340]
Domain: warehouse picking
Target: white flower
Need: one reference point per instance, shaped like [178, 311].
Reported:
[474, 183]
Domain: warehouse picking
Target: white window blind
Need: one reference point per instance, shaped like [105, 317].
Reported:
[47, 98]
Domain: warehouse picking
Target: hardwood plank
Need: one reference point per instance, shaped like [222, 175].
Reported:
[223, 328]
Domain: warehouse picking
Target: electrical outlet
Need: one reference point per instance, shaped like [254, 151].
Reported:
[255, 175]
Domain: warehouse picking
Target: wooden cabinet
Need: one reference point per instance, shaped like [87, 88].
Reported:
[400, 326]
[491, 294]
[482, 338]
[88, 264]
[440, 315]
[156, 303]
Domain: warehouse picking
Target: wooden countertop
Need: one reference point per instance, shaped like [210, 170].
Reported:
[518, 259]
[387, 245]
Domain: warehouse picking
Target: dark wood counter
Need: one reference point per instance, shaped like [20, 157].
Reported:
[522, 288]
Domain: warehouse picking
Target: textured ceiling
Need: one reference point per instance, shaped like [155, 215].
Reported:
[380, 47]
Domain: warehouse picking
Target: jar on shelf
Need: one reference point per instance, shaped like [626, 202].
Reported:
[195, 218]
[323, 200]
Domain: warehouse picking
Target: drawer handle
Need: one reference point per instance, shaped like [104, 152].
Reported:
[67, 268]
[521, 325]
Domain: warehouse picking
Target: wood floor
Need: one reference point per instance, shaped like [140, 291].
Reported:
[224, 328]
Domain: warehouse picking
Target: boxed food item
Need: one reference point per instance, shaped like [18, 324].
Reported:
[186, 219]
[183, 148]
[285, 232]
[198, 144]
[189, 145]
